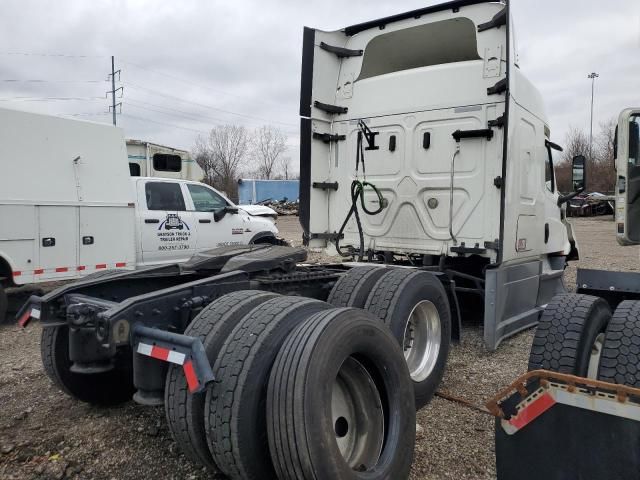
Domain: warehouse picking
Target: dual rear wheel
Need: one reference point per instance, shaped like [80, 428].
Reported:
[290, 370]
[579, 335]
[415, 307]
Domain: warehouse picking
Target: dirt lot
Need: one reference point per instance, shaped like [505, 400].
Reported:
[46, 435]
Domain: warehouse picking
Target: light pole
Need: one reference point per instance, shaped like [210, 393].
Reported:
[592, 76]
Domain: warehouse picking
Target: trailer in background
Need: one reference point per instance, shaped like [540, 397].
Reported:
[148, 159]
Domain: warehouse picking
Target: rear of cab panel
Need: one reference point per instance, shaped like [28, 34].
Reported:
[418, 80]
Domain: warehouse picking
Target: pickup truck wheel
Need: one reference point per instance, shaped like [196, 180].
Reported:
[353, 288]
[620, 359]
[184, 410]
[415, 307]
[236, 404]
[570, 334]
[340, 401]
[4, 305]
[107, 388]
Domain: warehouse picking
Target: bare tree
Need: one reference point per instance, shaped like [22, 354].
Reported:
[601, 171]
[603, 168]
[284, 167]
[221, 156]
[268, 145]
[203, 157]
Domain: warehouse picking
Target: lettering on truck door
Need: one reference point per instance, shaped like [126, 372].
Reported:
[228, 230]
[167, 230]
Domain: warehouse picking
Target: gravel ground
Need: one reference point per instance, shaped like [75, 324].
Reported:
[46, 435]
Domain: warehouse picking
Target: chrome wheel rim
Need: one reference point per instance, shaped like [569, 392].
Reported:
[422, 338]
[594, 356]
[357, 416]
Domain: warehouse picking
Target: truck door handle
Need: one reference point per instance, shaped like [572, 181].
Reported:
[204, 220]
[151, 220]
[460, 134]
[546, 233]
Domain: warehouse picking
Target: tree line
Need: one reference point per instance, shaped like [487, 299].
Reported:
[229, 152]
[601, 173]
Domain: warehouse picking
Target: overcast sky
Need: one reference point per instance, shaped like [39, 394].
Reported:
[189, 65]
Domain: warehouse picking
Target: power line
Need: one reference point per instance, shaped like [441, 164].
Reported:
[211, 107]
[63, 55]
[134, 102]
[128, 115]
[23, 80]
[48, 99]
[140, 104]
[191, 82]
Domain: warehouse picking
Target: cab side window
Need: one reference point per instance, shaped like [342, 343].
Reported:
[205, 199]
[549, 178]
[164, 196]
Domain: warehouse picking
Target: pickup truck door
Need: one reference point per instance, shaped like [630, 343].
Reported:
[228, 230]
[167, 232]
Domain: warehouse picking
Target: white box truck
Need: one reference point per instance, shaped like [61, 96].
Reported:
[69, 208]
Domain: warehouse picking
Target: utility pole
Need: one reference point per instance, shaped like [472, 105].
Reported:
[592, 76]
[113, 90]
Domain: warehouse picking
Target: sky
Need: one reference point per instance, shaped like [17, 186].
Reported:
[187, 66]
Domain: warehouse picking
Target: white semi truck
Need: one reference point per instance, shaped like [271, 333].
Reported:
[426, 157]
[69, 208]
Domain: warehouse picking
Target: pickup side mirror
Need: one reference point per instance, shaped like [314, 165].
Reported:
[220, 213]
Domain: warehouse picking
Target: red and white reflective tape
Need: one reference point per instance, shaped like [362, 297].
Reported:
[538, 402]
[28, 315]
[172, 356]
[160, 353]
[531, 411]
[79, 268]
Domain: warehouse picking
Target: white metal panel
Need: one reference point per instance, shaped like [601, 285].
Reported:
[87, 160]
[60, 260]
[17, 222]
[106, 238]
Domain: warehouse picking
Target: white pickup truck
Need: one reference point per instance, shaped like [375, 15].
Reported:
[69, 207]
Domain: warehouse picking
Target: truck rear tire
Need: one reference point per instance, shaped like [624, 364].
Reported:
[570, 335]
[235, 413]
[184, 410]
[107, 388]
[353, 288]
[620, 359]
[4, 305]
[340, 401]
[414, 305]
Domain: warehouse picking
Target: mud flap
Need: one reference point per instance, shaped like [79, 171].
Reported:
[563, 428]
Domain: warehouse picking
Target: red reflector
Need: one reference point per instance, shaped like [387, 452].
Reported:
[81, 267]
[24, 319]
[38, 271]
[533, 411]
[101, 265]
[62, 269]
[190, 374]
[17, 273]
[121, 264]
